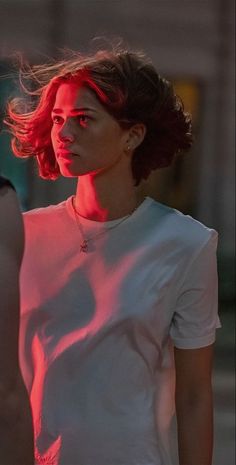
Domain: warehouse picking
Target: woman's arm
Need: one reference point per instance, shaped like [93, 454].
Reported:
[16, 434]
[194, 405]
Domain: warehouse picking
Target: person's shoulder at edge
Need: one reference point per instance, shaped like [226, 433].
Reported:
[5, 182]
[182, 226]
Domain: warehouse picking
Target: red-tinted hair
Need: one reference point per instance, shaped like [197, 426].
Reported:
[129, 88]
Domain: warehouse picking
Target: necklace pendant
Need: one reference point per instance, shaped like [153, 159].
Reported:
[84, 246]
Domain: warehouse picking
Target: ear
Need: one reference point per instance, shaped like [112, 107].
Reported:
[135, 136]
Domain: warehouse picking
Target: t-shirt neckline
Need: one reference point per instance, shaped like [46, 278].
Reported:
[92, 223]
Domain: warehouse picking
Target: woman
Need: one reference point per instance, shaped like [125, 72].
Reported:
[16, 438]
[115, 294]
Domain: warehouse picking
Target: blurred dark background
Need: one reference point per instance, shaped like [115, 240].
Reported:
[191, 42]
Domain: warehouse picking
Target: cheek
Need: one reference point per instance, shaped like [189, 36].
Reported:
[53, 135]
[113, 139]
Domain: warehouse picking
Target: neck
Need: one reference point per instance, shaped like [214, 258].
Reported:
[100, 201]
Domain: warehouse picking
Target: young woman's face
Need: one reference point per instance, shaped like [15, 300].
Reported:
[85, 138]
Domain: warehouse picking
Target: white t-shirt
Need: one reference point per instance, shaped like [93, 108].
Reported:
[98, 328]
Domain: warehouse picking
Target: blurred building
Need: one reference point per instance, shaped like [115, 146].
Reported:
[190, 42]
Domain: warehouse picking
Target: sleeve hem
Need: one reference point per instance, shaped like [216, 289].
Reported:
[194, 343]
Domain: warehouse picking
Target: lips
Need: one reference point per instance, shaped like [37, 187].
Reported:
[65, 154]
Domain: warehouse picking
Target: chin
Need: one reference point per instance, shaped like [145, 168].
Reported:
[68, 170]
[68, 173]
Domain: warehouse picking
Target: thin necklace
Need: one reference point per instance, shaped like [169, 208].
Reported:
[85, 240]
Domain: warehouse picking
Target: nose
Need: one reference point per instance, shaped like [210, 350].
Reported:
[65, 133]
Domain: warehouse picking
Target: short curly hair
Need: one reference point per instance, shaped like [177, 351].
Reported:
[129, 88]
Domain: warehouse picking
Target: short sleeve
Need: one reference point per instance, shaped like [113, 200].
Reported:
[195, 317]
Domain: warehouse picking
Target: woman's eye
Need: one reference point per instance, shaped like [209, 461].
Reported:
[57, 119]
[83, 120]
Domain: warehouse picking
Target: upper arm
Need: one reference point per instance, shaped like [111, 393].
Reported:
[193, 371]
[193, 368]
[11, 252]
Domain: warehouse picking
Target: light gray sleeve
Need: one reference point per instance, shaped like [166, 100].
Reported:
[196, 318]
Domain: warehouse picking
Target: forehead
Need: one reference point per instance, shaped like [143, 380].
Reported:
[72, 95]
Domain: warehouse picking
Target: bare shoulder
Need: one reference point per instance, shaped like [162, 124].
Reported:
[11, 224]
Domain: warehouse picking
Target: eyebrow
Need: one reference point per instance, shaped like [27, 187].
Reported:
[75, 110]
